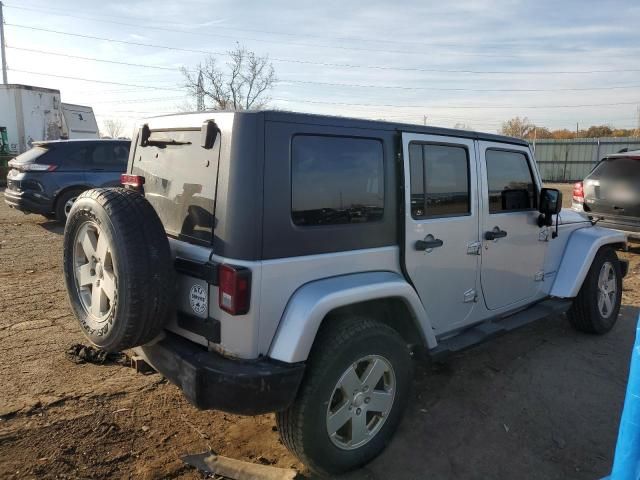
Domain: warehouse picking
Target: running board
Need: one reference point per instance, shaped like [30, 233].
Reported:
[498, 326]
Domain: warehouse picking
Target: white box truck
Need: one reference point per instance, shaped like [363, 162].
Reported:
[29, 114]
[32, 114]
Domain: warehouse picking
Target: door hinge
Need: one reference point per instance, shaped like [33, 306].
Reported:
[474, 248]
[539, 276]
[470, 296]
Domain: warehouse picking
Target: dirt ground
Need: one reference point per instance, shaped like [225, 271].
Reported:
[542, 402]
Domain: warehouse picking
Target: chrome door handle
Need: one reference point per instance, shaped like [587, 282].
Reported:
[428, 243]
[495, 234]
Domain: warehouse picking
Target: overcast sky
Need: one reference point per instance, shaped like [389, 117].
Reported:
[455, 62]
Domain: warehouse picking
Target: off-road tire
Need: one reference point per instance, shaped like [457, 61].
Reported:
[140, 251]
[302, 426]
[61, 201]
[584, 313]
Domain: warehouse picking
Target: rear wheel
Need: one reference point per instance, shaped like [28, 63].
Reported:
[64, 203]
[355, 389]
[596, 308]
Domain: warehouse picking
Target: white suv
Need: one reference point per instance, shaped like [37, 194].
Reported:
[274, 261]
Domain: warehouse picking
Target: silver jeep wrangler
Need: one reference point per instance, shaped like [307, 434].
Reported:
[294, 263]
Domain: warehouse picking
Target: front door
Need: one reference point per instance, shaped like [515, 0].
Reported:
[513, 243]
[442, 221]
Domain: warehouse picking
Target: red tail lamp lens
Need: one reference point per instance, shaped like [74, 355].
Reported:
[234, 289]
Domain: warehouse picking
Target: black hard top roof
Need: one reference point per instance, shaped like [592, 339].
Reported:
[349, 122]
[283, 116]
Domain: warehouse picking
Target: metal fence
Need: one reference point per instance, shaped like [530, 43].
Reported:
[571, 160]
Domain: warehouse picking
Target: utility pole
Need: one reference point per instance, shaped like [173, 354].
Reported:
[577, 129]
[424, 119]
[3, 52]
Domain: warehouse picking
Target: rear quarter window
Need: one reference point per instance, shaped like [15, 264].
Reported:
[336, 180]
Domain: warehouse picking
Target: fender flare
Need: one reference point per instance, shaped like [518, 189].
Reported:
[581, 249]
[309, 305]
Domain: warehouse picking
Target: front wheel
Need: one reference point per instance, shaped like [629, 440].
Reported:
[351, 401]
[596, 308]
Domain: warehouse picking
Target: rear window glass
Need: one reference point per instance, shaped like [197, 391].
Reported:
[180, 182]
[336, 180]
[621, 168]
[31, 155]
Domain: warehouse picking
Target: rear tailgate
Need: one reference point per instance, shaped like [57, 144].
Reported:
[180, 178]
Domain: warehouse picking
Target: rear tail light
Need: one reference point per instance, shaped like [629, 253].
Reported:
[32, 167]
[135, 181]
[578, 193]
[234, 289]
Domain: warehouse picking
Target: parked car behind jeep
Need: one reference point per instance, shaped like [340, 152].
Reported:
[49, 177]
[611, 193]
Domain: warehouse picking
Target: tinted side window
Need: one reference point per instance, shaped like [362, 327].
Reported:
[511, 185]
[101, 156]
[336, 180]
[120, 156]
[109, 156]
[74, 155]
[439, 181]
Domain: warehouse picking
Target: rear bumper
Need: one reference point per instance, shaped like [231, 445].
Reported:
[27, 202]
[210, 381]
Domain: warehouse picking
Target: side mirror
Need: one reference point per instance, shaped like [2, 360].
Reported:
[550, 201]
[208, 134]
[550, 204]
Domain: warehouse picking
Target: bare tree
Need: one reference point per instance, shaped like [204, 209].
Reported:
[242, 83]
[517, 127]
[113, 127]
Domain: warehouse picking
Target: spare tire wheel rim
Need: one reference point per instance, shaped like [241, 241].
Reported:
[361, 402]
[95, 276]
[607, 289]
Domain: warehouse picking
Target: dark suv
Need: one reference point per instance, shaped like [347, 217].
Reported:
[611, 193]
[48, 178]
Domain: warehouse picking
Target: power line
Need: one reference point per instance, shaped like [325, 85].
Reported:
[95, 81]
[345, 103]
[454, 89]
[67, 55]
[59, 12]
[456, 106]
[336, 65]
[297, 44]
[312, 82]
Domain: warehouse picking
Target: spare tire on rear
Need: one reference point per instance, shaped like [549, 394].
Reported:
[117, 268]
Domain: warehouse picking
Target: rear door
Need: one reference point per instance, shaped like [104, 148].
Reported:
[613, 189]
[180, 183]
[442, 217]
[513, 244]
